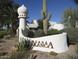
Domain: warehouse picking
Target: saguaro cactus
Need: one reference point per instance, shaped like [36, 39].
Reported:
[44, 8]
[45, 17]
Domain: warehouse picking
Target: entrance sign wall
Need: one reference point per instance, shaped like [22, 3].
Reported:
[56, 43]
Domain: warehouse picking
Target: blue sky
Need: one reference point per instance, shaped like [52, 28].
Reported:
[55, 7]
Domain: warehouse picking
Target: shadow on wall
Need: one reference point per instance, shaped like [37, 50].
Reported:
[28, 33]
[68, 41]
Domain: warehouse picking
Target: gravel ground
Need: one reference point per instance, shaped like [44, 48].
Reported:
[70, 54]
[7, 44]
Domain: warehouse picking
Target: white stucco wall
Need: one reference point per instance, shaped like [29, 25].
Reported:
[59, 43]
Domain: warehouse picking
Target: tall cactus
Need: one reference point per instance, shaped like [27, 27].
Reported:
[45, 17]
[44, 11]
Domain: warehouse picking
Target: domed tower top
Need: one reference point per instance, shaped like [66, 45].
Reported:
[22, 11]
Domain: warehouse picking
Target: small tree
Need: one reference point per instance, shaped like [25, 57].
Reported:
[70, 18]
[8, 10]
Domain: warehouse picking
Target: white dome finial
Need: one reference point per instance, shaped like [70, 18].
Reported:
[22, 11]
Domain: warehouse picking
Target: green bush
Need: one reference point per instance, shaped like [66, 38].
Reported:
[40, 33]
[72, 34]
[54, 31]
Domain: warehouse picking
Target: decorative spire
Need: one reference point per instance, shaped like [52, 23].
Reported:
[22, 11]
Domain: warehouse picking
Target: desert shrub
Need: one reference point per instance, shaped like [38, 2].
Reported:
[24, 45]
[39, 33]
[72, 34]
[22, 55]
[3, 32]
[19, 55]
[53, 53]
[23, 51]
[54, 31]
[30, 34]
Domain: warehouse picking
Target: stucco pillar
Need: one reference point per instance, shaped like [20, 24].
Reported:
[22, 12]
